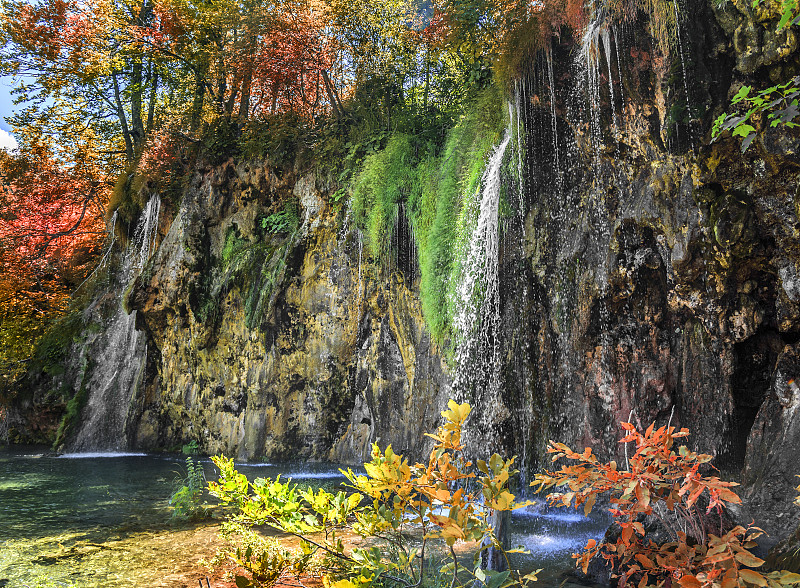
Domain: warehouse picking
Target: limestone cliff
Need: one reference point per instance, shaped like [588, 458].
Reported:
[278, 346]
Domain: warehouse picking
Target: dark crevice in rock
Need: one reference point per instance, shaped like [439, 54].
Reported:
[755, 360]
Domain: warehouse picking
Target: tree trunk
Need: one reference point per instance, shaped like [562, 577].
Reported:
[137, 125]
[136, 86]
[492, 558]
[151, 108]
[333, 95]
[244, 104]
[123, 120]
[197, 101]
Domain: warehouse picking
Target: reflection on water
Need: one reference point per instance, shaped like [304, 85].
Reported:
[99, 454]
[99, 520]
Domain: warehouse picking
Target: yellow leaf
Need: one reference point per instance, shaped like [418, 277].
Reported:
[749, 559]
[752, 577]
[587, 507]
[789, 578]
[503, 501]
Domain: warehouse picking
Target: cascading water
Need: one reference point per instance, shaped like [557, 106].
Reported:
[144, 240]
[114, 372]
[477, 320]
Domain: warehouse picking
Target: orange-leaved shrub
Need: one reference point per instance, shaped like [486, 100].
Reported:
[660, 483]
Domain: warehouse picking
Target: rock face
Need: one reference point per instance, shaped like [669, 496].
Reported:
[287, 346]
[651, 277]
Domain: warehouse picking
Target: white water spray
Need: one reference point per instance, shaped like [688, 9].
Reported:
[112, 376]
[144, 237]
[477, 319]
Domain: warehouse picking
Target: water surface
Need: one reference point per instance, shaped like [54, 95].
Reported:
[99, 520]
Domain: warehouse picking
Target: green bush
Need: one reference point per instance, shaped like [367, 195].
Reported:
[220, 140]
[187, 500]
[191, 448]
[277, 138]
[286, 220]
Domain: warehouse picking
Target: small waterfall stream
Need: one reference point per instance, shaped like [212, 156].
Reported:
[477, 321]
[115, 369]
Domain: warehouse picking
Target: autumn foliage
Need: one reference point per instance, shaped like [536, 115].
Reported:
[393, 501]
[113, 91]
[659, 483]
[51, 231]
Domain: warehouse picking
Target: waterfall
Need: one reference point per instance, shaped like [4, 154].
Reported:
[552, 86]
[683, 67]
[605, 37]
[144, 237]
[589, 62]
[477, 318]
[114, 364]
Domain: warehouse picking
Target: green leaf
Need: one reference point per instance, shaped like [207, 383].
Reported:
[747, 141]
[743, 130]
[497, 579]
[742, 94]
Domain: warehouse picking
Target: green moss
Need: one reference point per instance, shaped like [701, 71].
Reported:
[253, 268]
[126, 198]
[72, 414]
[50, 352]
[437, 188]
[384, 181]
[266, 271]
[234, 245]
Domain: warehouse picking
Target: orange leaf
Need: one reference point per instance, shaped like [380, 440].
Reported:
[627, 532]
[689, 581]
[749, 559]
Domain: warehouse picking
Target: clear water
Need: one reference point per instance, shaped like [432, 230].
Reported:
[100, 520]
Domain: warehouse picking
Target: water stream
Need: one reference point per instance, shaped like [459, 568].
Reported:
[114, 374]
[477, 322]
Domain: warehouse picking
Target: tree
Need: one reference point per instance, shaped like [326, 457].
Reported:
[51, 231]
[84, 70]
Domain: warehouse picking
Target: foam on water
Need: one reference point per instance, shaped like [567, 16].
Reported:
[563, 517]
[99, 454]
[313, 475]
[547, 544]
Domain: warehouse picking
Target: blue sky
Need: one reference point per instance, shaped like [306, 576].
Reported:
[5, 100]
[6, 108]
